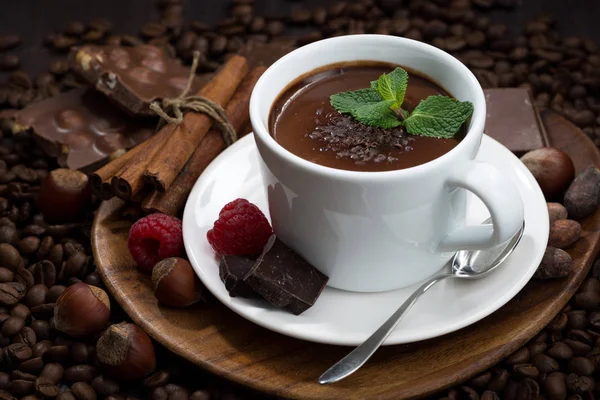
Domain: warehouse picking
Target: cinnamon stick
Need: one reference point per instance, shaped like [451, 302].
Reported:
[170, 160]
[172, 201]
[101, 178]
[129, 179]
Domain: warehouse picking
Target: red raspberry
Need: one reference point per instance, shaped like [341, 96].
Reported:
[154, 238]
[242, 229]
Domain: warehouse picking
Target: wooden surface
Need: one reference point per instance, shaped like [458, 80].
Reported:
[224, 343]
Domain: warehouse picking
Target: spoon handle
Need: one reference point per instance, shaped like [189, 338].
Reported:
[355, 359]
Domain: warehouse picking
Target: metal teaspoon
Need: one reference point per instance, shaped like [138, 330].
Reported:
[466, 264]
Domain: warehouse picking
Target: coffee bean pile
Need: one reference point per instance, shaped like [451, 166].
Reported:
[38, 260]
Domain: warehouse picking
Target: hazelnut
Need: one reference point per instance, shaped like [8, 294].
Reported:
[553, 169]
[63, 195]
[82, 310]
[175, 283]
[126, 352]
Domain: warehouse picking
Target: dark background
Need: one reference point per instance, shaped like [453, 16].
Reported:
[33, 19]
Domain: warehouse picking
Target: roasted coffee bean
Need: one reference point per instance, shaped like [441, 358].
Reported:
[6, 275]
[10, 257]
[44, 273]
[4, 395]
[42, 329]
[579, 335]
[75, 265]
[56, 254]
[544, 363]
[63, 43]
[25, 277]
[9, 41]
[16, 374]
[18, 352]
[20, 387]
[4, 380]
[8, 234]
[54, 372]
[159, 378]
[518, 357]
[12, 326]
[577, 319]
[44, 311]
[32, 366]
[526, 371]
[80, 373]
[54, 292]
[9, 62]
[57, 354]
[581, 366]
[559, 322]
[27, 336]
[11, 293]
[83, 391]
[80, 353]
[36, 296]
[105, 386]
[45, 387]
[159, 393]
[93, 279]
[41, 347]
[579, 348]
[560, 351]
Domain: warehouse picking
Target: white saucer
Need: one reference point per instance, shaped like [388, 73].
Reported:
[348, 318]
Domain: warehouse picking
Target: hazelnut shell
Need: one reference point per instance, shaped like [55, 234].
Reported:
[126, 352]
[82, 310]
[552, 168]
[175, 283]
[64, 195]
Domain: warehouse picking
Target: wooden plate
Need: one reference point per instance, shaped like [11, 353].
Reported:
[224, 343]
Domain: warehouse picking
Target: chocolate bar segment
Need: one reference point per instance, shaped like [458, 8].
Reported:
[232, 271]
[81, 128]
[513, 120]
[132, 77]
[285, 279]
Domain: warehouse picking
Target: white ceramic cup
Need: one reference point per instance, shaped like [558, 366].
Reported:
[377, 231]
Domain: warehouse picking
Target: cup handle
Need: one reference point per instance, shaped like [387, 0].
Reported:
[501, 198]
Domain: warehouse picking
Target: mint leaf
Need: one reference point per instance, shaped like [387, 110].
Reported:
[345, 102]
[392, 86]
[377, 114]
[438, 117]
[385, 89]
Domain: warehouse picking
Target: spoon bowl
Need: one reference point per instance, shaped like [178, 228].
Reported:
[466, 264]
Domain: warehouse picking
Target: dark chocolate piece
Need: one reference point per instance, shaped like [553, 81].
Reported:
[232, 271]
[81, 128]
[513, 120]
[285, 279]
[132, 77]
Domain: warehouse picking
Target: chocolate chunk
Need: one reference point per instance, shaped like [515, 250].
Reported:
[285, 279]
[81, 128]
[132, 77]
[513, 120]
[232, 271]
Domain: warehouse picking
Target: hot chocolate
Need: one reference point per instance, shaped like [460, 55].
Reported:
[303, 121]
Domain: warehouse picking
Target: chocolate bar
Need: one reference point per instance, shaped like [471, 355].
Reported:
[285, 279]
[513, 120]
[264, 54]
[81, 128]
[132, 77]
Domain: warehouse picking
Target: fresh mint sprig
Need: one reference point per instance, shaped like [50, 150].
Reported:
[381, 106]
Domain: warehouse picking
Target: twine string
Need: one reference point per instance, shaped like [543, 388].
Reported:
[171, 111]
